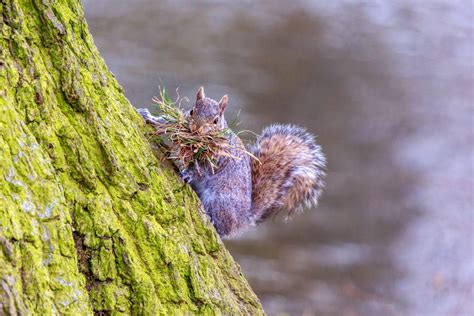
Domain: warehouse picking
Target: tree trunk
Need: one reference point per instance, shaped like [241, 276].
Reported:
[90, 220]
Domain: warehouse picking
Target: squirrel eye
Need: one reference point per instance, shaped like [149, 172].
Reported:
[216, 120]
[191, 112]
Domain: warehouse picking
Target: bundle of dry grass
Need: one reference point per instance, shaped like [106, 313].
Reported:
[187, 146]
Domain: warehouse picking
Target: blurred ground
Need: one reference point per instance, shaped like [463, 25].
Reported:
[389, 88]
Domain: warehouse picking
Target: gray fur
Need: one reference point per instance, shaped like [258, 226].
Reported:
[227, 193]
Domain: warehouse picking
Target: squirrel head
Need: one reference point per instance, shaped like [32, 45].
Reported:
[207, 114]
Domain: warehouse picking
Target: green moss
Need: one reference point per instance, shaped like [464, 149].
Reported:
[90, 219]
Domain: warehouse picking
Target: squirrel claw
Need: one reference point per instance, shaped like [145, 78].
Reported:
[185, 176]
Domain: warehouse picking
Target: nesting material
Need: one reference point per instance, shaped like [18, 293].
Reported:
[188, 147]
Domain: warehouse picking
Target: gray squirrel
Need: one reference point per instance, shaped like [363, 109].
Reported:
[243, 191]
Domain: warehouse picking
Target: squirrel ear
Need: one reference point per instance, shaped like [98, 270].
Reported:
[223, 104]
[200, 94]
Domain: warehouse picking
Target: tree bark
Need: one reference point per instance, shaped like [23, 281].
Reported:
[90, 220]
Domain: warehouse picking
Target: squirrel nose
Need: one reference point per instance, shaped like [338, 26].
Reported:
[197, 128]
[203, 129]
[200, 127]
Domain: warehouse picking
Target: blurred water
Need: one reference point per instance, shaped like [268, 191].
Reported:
[389, 88]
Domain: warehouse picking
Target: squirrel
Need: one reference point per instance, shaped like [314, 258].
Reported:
[287, 174]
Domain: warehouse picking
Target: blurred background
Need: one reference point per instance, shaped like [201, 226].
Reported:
[388, 87]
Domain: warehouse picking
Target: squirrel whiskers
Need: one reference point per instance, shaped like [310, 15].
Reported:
[285, 172]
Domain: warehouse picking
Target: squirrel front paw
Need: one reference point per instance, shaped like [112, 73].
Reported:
[145, 113]
[186, 176]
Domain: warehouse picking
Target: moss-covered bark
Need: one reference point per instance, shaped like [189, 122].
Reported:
[90, 220]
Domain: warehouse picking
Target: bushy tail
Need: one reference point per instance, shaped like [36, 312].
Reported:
[290, 171]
